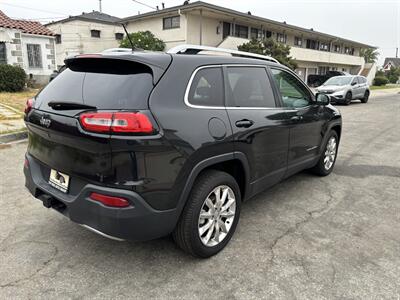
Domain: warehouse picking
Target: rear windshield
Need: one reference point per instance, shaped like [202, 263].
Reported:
[114, 84]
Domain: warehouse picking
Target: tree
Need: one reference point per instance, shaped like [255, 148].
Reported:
[393, 74]
[279, 51]
[143, 40]
[370, 55]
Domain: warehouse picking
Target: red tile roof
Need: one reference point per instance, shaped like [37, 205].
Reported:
[25, 26]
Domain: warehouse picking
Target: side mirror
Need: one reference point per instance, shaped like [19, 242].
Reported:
[354, 83]
[323, 99]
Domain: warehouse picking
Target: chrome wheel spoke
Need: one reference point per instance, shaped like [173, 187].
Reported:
[210, 205]
[222, 226]
[228, 205]
[205, 215]
[227, 214]
[209, 233]
[205, 227]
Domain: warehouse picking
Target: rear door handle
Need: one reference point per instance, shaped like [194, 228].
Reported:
[244, 123]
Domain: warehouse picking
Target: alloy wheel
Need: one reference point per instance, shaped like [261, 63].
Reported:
[330, 153]
[217, 215]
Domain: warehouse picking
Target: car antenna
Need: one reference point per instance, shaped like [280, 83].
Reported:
[129, 38]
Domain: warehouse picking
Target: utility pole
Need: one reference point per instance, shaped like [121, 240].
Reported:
[100, 8]
[397, 52]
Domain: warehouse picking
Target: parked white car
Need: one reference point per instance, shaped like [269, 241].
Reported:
[344, 89]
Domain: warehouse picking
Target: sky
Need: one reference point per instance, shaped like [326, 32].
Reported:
[373, 22]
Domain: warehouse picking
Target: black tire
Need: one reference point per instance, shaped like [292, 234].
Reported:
[366, 97]
[186, 233]
[348, 98]
[319, 168]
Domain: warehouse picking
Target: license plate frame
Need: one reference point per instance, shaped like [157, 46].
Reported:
[59, 181]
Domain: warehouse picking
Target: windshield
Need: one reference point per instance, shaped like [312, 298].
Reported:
[339, 80]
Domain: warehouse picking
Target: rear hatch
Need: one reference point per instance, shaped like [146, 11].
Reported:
[73, 117]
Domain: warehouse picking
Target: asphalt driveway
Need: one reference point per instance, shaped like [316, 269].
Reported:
[308, 237]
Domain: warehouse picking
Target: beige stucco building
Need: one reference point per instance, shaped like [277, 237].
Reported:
[87, 33]
[201, 23]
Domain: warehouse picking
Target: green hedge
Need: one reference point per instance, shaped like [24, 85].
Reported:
[380, 80]
[12, 78]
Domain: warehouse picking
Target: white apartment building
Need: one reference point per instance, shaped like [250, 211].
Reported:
[202, 23]
[87, 33]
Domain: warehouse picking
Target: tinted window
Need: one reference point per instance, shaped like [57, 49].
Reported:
[114, 90]
[249, 87]
[294, 93]
[207, 88]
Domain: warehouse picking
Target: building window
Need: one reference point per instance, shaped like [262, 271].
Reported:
[336, 48]
[267, 34]
[255, 33]
[322, 70]
[95, 33]
[34, 55]
[324, 46]
[3, 53]
[281, 38]
[58, 38]
[298, 41]
[119, 36]
[172, 22]
[312, 44]
[347, 50]
[242, 31]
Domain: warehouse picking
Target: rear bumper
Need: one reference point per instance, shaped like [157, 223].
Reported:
[138, 222]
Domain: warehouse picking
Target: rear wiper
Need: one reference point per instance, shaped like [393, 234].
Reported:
[58, 105]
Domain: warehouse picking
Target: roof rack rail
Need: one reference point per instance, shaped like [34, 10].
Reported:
[195, 49]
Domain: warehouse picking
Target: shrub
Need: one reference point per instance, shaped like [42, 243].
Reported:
[12, 78]
[143, 40]
[269, 46]
[380, 80]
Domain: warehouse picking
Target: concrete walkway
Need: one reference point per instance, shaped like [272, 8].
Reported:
[10, 120]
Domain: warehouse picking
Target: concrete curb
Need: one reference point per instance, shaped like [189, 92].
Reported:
[12, 137]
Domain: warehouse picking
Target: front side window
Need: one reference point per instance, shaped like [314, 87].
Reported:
[249, 87]
[172, 22]
[207, 88]
[34, 55]
[3, 53]
[294, 93]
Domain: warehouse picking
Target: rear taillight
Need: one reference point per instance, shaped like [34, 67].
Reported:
[109, 200]
[118, 122]
[96, 122]
[29, 105]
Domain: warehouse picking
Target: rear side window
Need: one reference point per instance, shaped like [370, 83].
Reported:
[249, 87]
[103, 85]
[207, 88]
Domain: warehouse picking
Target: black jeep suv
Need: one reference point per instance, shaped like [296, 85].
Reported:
[141, 145]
